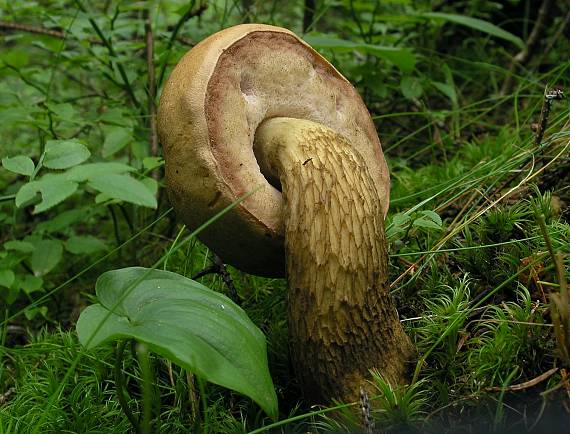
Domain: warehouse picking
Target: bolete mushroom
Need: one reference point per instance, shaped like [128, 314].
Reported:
[254, 105]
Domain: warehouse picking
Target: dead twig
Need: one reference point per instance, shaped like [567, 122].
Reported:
[218, 267]
[59, 34]
[549, 96]
[366, 410]
[526, 384]
[7, 395]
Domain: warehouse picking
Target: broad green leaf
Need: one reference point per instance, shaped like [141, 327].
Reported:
[411, 87]
[20, 246]
[117, 116]
[62, 222]
[20, 164]
[116, 138]
[46, 256]
[429, 220]
[151, 184]
[7, 277]
[477, 24]
[62, 154]
[123, 187]
[432, 215]
[422, 222]
[89, 171]
[403, 58]
[199, 329]
[84, 244]
[14, 57]
[150, 163]
[400, 219]
[54, 189]
[31, 283]
[14, 115]
[398, 222]
[65, 112]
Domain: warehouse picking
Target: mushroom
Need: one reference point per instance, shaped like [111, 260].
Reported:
[254, 107]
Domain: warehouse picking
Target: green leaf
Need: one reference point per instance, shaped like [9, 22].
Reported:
[116, 138]
[65, 112]
[46, 256]
[61, 154]
[411, 87]
[31, 284]
[398, 222]
[150, 163]
[199, 329]
[403, 58]
[123, 187]
[430, 220]
[54, 189]
[477, 24]
[447, 90]
[62, 222]
[89, 171]
[19, 246]
[20, 164]
[84, 245]
[432, 215]
[7, 278]
[117, 116]
[14, 115]
[31, 312]
[16, 58]
[151, 184]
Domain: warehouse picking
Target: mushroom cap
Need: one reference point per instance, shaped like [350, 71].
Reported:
[210, 107]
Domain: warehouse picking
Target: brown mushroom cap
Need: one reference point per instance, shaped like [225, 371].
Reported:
[209, 111]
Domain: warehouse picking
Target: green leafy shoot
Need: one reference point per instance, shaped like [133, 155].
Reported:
[199, 329]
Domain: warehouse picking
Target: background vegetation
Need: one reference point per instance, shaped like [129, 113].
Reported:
[464, 98]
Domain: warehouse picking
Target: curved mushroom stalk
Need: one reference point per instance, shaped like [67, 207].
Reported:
[342, 320]
[314, 136]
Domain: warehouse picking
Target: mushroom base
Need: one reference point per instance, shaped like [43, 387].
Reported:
[342, 319]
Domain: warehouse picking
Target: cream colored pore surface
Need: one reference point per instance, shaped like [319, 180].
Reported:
[270, 74]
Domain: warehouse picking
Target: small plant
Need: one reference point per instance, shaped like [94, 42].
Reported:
[185, 322]
[398, 407]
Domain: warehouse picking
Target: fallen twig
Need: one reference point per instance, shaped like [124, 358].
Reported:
[526, 384]
[218, 267]
[59, 34]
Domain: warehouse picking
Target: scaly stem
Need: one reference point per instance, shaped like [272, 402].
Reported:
[342, 320]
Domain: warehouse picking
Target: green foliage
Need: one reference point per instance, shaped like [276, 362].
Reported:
[87, 404]
[201, 330]
[399, 407]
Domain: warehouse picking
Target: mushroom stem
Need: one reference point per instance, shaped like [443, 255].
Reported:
[342, 319]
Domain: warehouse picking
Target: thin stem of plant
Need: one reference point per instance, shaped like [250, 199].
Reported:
[121, 387]
[149, 39]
